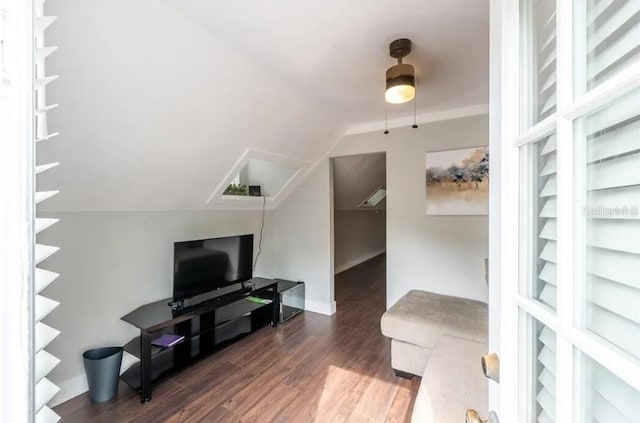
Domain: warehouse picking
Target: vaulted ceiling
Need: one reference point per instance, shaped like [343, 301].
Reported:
[159, 98]
[355, 178]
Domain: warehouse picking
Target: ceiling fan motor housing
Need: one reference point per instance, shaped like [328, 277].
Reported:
[400, 48]
[401, 73]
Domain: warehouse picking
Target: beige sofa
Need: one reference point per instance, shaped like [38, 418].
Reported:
[441, 339]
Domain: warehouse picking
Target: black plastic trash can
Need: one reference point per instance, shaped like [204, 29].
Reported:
[102, 366]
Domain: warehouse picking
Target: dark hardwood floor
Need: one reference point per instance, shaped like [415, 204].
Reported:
[313, 368]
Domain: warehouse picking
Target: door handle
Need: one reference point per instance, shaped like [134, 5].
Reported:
[491, 366]
[474, 417]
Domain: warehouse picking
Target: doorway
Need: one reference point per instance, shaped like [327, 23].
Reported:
[359, 238]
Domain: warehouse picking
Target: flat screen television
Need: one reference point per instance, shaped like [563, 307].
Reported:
[209, 264]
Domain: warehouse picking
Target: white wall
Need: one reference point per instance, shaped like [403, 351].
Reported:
[442, 254]
[302, 234]
[358, 237]
[112, 262]
[269, 175]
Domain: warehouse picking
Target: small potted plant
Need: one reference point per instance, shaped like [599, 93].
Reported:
[236, 189]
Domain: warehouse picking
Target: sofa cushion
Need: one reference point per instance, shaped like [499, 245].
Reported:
[421, 317]
[452, 383]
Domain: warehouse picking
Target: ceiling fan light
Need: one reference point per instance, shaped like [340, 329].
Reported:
[400, 94]
[401, 85]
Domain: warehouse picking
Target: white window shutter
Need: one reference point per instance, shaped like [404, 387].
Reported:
[44, 362]
[544, 378]
[546, 63]
[612, 155]
[545, 287]
[614, 37]
[607, 398]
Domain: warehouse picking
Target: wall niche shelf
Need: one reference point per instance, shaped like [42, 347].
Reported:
[275, 174]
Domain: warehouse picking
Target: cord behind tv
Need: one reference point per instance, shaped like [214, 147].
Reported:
[255, 262]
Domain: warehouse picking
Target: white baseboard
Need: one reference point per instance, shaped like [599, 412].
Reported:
[78, 385]
[328, 309]
[352, 263]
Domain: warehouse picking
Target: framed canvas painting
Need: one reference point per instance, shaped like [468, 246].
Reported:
[457, 182]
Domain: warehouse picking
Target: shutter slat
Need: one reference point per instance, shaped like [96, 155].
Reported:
[543, 417]
[43, 82]
[549, 104]
[47, 137]
[548, 273]
[47, 415]
[549, 83]
[622, 397]
[42, 224]
[44, 195]
[45, 390]
[619, 172]
[548, 63]
[45, 167]
[548, 380]
[44, 306]
[549, 295]
[549, 145]
[550, 208]
[550, 40]
[45, 109]
[549, 230]
[548, 338]
[43, 22]
[550, 188]
[44, 334]
[597, 9]
[622, 140]
[609, 264]
[603, 411]
[549, 24]
[550, 166]
[619, 299]
[615, 198]
[626, 15]
[623, 111]
[616, 52]
[42, 252]
[45, 362]
[43, 52]
[43, 278]
[614, 328]
[614, 234]
[547, 402]
[549, 252]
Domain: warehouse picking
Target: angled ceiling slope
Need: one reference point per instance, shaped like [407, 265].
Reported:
[355, 178]
[155, 110]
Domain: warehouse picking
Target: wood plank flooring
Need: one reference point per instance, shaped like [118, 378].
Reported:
[313, 368]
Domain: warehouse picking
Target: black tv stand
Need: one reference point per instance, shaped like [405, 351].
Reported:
[207, 324]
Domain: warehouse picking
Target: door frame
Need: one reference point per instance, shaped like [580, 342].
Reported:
[333, 215]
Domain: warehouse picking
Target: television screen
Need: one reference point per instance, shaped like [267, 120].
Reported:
[208, 264]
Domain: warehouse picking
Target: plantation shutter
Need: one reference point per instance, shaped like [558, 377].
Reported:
[546, 375]
[609, 399]
[614, 37]
[547, 234]
[612, 155]
[546, 62]
[45, 390]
